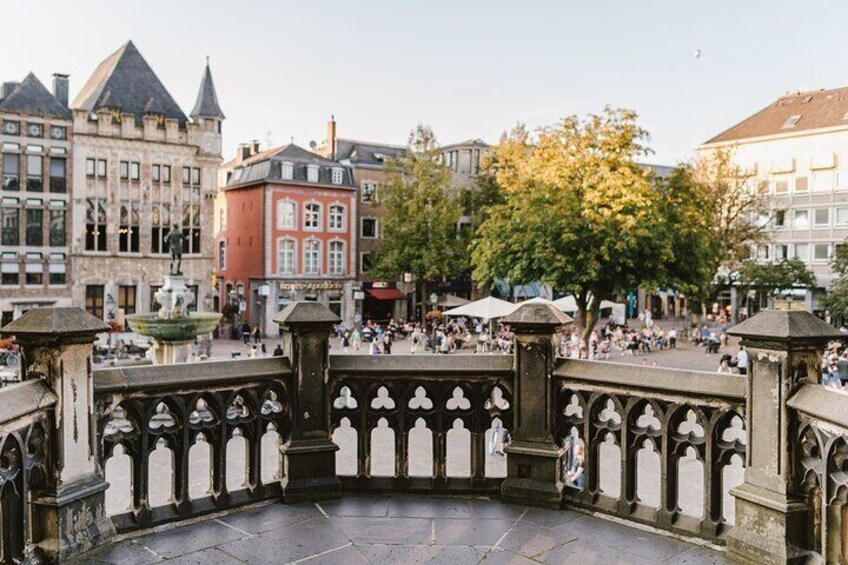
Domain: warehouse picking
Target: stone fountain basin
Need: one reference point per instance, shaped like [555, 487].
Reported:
[174, 329]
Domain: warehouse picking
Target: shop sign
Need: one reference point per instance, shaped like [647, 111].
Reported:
[329, 285]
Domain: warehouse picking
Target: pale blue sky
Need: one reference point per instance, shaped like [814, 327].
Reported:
[468, 68]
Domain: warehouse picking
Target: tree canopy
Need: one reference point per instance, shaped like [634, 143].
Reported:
[837, 300]
[581, 215]
[770, 279]
[421, 213]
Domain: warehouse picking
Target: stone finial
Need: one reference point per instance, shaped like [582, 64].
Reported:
[54, 323]
[537, 316]
[784, 327]
[306, 314]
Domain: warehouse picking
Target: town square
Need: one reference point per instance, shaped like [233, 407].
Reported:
[487, 282]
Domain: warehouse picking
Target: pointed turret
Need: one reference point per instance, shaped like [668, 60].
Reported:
[206, 105]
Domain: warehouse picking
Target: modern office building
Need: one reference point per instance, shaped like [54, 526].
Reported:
[796, 150]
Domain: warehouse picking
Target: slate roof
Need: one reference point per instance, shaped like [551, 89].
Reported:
[467, 143]
[30, 96]
[207, 99]
[268, 165]
[126, 82]
[817, 109]
[306, 312]
[55, 322]
[365, 154]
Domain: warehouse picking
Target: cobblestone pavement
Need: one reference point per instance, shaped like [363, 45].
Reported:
[405, 530]
[686, 356]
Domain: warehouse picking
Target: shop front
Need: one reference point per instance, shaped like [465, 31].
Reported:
[383, 301]
[335, 295]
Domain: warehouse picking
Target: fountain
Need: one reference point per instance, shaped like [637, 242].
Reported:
[173, 329]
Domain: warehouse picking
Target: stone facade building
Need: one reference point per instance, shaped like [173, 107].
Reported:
[285, 233]
[141, 166]
[35, 142]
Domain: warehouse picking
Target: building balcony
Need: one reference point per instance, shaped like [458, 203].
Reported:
[476, 458]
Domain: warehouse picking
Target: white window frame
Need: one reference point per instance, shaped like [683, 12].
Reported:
[313, 173]
[376, 228]
[222, 255]
[816, 259]
[306, 206]
[343, 208]
[330, 270]
[281, 204]
[307, 271]
[774, 219]
[820, 177]
[806, 257]
[817, 225]
[338, 175]
[778, 255]
[373, 198]
[795, 216]
[280, 263]
[836, 221]
[287, 171]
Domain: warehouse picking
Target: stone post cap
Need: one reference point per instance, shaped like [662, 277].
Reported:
[55, 324]
[785, 327]
[306, 314]
[537, 317]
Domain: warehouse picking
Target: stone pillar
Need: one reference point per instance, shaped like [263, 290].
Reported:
[309, 457]
[534, 465]
[784, 349]
[68, 515]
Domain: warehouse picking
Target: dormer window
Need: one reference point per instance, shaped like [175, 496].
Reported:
[792, 121]
[288, 171]
[312, 173]
[338, 175]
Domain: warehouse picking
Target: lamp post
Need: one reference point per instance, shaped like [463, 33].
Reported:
[434, 299]
[110, 319]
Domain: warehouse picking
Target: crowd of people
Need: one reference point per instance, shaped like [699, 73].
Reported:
[835, 365]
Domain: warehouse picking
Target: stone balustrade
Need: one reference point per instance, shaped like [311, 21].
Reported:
[647, 445]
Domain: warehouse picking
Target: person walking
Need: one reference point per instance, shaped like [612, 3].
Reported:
[345, 342]
[257, 335]
[245, 333]
[742, 361]
[672, 338]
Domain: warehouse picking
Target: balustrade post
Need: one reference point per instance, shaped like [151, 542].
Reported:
[784, 349]
[309, 456]
[534, 463]
[68, 515]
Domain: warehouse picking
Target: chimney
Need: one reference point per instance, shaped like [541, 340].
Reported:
[60, 88]
[254, 147]
[331, 137]
[7, 89]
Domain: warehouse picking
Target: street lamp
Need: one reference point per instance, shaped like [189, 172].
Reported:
[110, 319]
[434, 299]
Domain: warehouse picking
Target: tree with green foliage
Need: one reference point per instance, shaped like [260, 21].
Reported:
[583, 217]
[421, 212]
[768, 280]
[837, 300]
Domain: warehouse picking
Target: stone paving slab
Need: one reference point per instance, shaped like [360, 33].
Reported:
[404, 529]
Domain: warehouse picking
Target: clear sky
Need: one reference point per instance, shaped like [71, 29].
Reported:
[469, 68]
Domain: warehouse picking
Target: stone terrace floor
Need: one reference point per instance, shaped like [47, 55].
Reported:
[406, 530]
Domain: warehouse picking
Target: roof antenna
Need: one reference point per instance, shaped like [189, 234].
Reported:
[207, 60]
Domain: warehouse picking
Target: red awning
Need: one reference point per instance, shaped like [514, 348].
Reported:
[386, 293]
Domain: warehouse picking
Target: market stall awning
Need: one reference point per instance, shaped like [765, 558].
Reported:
[386, 293]
[487, 308]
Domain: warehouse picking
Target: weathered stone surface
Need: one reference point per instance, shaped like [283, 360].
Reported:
[785, 325]
[24, 398]
[306, 313]
[421, 364]
[537, 314]
[55, 322]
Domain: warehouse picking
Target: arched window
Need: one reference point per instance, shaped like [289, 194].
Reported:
[285, 257]
[312, 216]
[337, 258]
[286, 215]
[337, 217]
[311, 257]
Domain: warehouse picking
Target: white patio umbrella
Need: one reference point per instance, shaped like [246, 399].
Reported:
[566, 304]
[487, 308]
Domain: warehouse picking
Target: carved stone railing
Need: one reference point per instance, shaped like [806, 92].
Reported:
[821, 468]
[587, 435]
[661, 415]
[142, 410]
[26, 421]
[385, 404]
